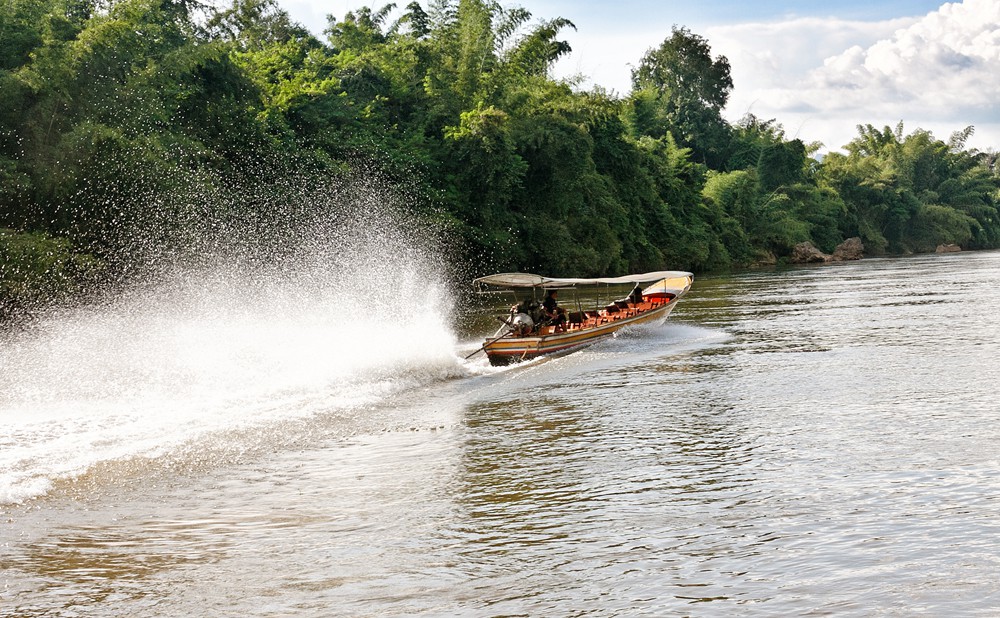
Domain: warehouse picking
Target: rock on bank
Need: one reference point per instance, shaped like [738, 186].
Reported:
[807, 253]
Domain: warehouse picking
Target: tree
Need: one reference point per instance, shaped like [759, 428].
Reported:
[130, 124]
[535, 53]
[690, 89]
[416, 20]
[253, 24]
[359, 31]
[913, 192]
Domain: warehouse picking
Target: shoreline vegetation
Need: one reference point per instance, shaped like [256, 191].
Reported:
[134, 130]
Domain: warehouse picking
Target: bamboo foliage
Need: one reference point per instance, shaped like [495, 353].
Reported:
[124, 119]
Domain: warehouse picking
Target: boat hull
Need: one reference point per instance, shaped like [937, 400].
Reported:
[512, 349]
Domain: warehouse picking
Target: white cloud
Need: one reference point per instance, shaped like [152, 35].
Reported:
[821, 78]
[945, 64]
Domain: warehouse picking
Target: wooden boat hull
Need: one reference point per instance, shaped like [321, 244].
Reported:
[512, 349]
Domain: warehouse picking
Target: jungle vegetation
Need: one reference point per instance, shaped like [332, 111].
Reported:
[120, 119]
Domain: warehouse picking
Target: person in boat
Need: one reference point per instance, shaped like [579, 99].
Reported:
[554, 314]
[524, 316]
[635, 296]
[526, 306]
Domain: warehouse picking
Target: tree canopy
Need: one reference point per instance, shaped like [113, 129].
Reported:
[122, 122]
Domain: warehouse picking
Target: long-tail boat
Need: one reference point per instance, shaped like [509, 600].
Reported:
[528, 331]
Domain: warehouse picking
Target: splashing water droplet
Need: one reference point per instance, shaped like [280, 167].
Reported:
[236, 323]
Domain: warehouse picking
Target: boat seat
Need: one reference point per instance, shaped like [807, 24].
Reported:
[576, 317]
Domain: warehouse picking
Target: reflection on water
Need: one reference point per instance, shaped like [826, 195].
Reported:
[812, 441]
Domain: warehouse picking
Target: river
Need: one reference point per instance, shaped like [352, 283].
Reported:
[810, 441]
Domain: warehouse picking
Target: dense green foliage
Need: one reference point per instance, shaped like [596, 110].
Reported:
[121, 121]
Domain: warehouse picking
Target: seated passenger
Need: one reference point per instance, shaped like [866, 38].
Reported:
[526, 306]
[525, 315]
[553, 313]
[635, 296]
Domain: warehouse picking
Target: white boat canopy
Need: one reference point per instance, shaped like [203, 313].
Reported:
[527, 280]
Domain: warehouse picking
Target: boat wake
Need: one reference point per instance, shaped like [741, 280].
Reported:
[231, 346]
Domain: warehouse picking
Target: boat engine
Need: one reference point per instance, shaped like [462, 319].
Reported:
[522, 324]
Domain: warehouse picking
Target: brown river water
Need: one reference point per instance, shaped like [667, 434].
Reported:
[811, 441]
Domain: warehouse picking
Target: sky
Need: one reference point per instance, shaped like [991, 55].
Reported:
[819, 68]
